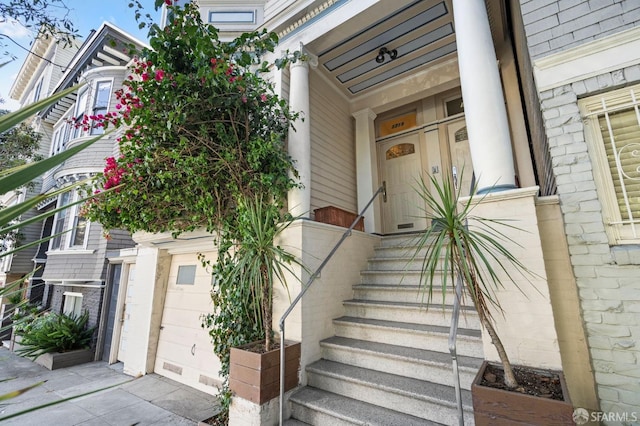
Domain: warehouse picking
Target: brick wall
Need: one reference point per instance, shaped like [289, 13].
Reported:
[608, 278]
[555, 25]
[91, 300]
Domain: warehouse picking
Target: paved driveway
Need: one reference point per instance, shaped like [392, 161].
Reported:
[148, 400]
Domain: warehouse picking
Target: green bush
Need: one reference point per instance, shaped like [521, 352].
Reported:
[55, 333]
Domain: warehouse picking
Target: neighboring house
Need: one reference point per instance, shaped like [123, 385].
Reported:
[539, 98]
[36, 80]
[72, 265]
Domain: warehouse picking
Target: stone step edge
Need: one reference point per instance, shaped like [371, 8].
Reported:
[467, 363]
[379, 384]
[465, 333]
[316, 393]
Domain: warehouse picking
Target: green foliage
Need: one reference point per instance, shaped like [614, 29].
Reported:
[18, 145]
[46, 16]
[202, 129]
[55, 333]
[249, 264]
[471, 247]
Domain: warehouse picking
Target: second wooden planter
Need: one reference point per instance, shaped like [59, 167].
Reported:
[256, 376]
[497, 407]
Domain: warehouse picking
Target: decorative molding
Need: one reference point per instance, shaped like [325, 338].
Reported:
[588, 60]
[309, 16]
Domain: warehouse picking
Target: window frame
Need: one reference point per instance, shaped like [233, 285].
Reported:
[94, 108]
[80, 111]
[591, 110]
[70, 218]
[60, 223]
[72, 300]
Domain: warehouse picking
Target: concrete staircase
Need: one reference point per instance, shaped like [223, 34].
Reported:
[389, 362]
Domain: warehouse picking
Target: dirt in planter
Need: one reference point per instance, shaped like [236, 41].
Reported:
[220, 419]
[259, 347]
[532, 382]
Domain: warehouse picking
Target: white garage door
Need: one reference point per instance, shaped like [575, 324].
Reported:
[185, 352]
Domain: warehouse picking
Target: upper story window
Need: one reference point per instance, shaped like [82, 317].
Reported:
[612, 122]
[100, 103]
[81, 107]
[61, 136]
[72, 221]
[59, 222]
[38, 91]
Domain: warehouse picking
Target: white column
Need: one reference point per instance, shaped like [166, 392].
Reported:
[300, 139]
[485, 112]
[366, 168]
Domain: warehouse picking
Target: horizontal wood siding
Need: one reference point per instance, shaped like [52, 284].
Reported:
[273, 7]
[333, 170]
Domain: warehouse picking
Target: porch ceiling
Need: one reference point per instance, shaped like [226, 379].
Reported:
[417, 35]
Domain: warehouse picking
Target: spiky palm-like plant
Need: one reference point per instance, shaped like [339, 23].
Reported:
[460, 244]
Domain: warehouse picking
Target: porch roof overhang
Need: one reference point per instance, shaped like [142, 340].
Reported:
[416, 35]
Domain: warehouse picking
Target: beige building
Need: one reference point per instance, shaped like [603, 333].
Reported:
[526, 97]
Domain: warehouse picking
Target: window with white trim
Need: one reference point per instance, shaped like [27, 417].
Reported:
[100, 103]
[81, 107]
[61, 136]
[612, 123]
[72, 304]
[60, 221]
[70, 220]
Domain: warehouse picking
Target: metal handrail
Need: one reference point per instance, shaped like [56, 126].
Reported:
[453, 333]
[382, 190]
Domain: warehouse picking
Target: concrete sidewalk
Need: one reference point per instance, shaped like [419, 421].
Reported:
[148, 400]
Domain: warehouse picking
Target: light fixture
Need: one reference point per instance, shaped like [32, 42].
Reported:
[384, 51]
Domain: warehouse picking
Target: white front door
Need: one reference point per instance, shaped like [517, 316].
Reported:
[124, 314]
[401, 167]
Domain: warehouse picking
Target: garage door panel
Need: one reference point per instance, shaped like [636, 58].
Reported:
[194, 300]
[185, 352]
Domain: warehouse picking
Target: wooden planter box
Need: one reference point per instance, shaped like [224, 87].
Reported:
[497, 407]
[56, 360]
[256, 376]
[335, 216]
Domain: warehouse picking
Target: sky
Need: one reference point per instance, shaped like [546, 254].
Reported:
[85, 15]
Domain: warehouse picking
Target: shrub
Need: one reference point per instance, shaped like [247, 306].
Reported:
[55, 333]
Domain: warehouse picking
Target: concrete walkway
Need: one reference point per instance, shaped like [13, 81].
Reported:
[148, 400]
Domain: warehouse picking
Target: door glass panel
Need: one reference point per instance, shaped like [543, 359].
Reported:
[400, 150]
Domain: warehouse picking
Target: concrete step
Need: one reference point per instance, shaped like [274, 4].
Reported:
[409, 293]
[419, 313]
[406, 252]
[400, 240]
[319, 407]
[400, 264]
[409, 362]
[391, 277]
[419, 398]
[419, 336]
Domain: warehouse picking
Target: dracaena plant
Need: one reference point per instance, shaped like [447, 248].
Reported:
[461, 244]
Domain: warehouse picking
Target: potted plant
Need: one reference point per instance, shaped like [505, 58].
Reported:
[252, 264]
[57, 340]
[477, 254]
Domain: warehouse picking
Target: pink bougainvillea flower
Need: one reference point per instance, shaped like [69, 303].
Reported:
[159, 75]
[145, 76]
[263, 97]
